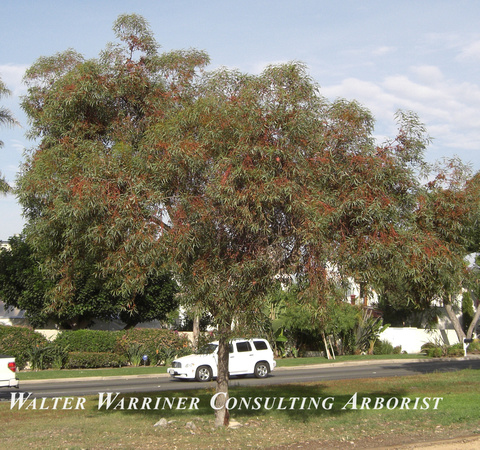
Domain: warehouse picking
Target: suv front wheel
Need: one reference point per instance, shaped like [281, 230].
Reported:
[203, 373]
[261, 369]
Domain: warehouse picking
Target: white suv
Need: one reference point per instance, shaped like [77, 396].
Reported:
[247, 356]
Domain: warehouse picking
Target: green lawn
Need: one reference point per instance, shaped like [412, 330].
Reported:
[334, 423]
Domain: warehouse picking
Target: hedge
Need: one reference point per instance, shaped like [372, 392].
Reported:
[90, 348]
[19, 342]
[99, 341]
[159, 345]
[92, 360]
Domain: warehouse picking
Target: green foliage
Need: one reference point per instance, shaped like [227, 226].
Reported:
[435, 352]
[382, 347]
[22, 285]
[474, 346]
[6, 119]
[39, 358]
[438, 350]
[59, 355]
[156, 301]
[427, 346]
[467, 310]
[455, 350]
[205, 338]
[19, 342]
[88, 340]
[91, 360]
[367, 331]
[95, 215]
[157, 344]
[135, 354]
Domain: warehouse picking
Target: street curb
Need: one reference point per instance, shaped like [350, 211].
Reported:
[304, 366]
[378, 361]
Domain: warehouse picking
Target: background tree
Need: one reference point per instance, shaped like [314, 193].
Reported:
[23, 285]
[444, 220]
[454, 202]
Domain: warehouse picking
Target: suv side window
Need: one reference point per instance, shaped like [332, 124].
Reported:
[260, 345]
[244, 347]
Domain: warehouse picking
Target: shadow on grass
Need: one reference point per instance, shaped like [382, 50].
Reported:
[293, 402]
[439, 365]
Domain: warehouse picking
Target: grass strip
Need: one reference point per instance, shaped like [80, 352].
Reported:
[457, 414]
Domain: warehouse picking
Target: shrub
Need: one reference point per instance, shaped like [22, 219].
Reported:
[425, 347]
[135, 354]
[474, 346]
[435, 352]
[19, 342]
[98, 341]
[455, 350]
[157, 344]
[59, 356]
[40, 358]
[382, 348]
[397, 350]
[92, 360]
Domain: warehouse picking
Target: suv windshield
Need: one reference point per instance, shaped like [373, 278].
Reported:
[206, 349]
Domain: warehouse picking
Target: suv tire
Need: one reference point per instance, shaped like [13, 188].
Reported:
[261, 369]
[203, 373]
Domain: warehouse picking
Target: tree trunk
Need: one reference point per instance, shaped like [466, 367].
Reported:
[454, 319]
[331, 346]
[326, 345]
[196, 330]
[78, 323]
[476, 317]
[222, 416]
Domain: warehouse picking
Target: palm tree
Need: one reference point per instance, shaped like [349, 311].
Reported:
[6, 119]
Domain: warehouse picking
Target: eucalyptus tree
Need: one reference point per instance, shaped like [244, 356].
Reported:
[86, 186]
[146, 164]
[447, 212]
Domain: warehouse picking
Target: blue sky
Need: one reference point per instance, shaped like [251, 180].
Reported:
[412, 55]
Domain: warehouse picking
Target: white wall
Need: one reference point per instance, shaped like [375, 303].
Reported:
[412, 339]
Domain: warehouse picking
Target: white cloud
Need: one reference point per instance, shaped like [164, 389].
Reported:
[470, 52]
[383, 50]
[428, 74]
[12, 76]
[18, 146]
[450, 110]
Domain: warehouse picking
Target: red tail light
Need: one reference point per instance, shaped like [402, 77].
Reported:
[12, 366]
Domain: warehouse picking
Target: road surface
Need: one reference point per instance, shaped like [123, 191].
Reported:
[162, 382]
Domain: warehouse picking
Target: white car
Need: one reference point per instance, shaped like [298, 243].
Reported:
[247, 356]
